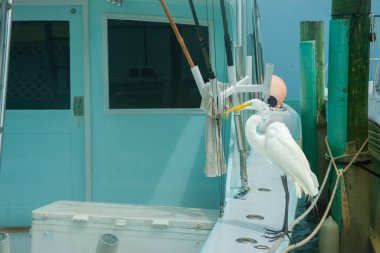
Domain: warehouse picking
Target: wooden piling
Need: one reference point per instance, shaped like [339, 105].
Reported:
[309, 102]
[314, 31]
[338, 100]
[355, 238]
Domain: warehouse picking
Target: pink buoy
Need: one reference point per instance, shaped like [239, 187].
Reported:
[277, 92]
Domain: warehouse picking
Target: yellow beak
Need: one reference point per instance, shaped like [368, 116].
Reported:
[238, 107]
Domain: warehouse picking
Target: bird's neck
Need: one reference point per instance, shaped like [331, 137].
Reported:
[256, 140]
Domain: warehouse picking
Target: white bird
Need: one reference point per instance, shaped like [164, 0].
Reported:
[277, 145]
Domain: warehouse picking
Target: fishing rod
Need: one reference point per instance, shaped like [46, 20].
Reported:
[194, 69]
[216, 94]
[257, 44]
[202, 42]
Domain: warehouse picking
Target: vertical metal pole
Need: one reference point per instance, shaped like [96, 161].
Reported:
[5, 39]
[239, 40]
[235, 101]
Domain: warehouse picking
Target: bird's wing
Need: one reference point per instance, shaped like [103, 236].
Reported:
[285, 152]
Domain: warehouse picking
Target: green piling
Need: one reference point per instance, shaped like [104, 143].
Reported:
[338, 99]
[314, 30]
[309, 102]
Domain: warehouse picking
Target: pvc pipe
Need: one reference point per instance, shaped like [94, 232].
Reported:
[268, 79]
[4, 243]
[248, 68]
[198, 79]
[107, 243]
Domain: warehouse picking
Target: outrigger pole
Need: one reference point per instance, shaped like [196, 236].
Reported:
[202, 42]
[5, 39]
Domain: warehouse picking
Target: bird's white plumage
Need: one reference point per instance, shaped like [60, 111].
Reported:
[278, 146]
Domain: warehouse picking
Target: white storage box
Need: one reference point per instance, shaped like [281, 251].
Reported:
[75, 227]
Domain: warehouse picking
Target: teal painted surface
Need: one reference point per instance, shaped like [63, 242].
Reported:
[148, 158]
[338, 99]
[338, 86]
[309, 102]
[43, 158]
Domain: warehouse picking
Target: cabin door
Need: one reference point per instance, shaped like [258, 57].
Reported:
[43, 157]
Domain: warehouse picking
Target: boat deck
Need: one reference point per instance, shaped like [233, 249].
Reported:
[268, 204]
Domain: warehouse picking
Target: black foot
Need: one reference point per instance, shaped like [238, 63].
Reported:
[274, 235]
[242, 193]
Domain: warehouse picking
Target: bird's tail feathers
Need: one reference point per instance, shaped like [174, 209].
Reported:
[309, 201]
[315, 179]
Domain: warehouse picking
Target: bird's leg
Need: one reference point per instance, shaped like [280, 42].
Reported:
[274, 235]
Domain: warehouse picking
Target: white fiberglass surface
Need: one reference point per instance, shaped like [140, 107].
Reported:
[268, 204]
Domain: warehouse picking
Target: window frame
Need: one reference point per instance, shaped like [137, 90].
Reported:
[126, 111]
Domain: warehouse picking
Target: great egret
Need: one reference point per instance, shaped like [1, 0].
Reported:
[277, 145]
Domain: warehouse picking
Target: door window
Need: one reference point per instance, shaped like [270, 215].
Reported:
[39, 65]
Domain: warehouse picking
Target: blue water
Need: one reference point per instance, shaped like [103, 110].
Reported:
[304, 228]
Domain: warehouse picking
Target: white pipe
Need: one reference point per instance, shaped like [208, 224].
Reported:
[198, 79]
[268, 79]
[232, 78]
[4, 243]
[242, 89]
[107, 243]
[248, 67]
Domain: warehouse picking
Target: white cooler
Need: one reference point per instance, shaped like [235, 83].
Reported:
[75, 227]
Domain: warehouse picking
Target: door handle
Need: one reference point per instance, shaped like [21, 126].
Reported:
[78, 106]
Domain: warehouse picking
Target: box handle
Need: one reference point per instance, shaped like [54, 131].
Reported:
[80, 218]
[161, 224]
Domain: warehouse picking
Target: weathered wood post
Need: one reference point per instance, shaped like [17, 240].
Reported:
[309, 102]
[338, 99]
[314, 31]
[355, 237]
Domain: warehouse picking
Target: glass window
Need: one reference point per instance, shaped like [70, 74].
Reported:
[147, 68]
[39, 65]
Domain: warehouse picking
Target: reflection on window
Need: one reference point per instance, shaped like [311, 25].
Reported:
[39, 65]
[147, 68]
